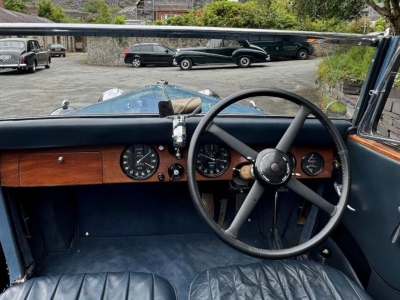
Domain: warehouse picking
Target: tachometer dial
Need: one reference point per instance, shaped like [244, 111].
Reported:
[212, 160]
[139, 161]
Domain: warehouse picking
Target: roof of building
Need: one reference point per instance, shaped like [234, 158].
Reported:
[9, 16]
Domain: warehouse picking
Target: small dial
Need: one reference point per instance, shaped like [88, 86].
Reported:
[212, 160]
[312, 163]
[139, 161]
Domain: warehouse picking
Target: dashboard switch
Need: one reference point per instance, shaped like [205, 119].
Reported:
[161, 177]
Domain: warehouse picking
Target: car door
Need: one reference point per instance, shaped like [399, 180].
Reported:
[373, 217]
[217, 52]
[162, 55]
[41, 54]
[147, 54]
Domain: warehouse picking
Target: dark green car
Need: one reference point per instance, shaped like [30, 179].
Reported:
[284, 47]
[241, 53]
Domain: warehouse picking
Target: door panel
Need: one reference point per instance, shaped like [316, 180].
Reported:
[375, 195]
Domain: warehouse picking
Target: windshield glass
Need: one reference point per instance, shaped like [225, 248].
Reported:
[39, 84]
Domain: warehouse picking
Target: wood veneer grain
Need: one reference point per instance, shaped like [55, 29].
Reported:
[376, 146]
[97, 165]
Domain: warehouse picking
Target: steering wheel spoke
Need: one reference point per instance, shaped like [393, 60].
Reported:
[233, 142]
[247, 207]
[307, 193]
[291, 133]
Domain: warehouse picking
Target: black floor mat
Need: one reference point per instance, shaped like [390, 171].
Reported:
[178, 258]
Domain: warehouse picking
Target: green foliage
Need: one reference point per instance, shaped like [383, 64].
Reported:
[104, 15]
[15, 5]
[114, 10]
[267, 14]
[362, 25]
[332, 9]
[92, 6]
[353, 63]
[380, 25]
[119, 20]
[47, 9]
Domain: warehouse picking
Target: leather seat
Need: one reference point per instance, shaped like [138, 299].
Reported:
[292, 279]
[124, 285]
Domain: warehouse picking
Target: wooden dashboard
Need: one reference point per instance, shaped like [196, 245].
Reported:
[100, 165]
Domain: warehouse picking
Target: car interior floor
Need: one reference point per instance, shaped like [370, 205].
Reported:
[149, 227]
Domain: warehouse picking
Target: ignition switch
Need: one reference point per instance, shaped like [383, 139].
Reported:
[175, 172]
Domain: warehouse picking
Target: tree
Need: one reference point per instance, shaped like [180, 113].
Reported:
[104, 15]
[92, 6]
[15, 5]
[47, 9]
[349, 10]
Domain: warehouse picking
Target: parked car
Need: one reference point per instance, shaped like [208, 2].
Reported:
[284, 47]
[140, 55]
[23, 54]
[217, 51]
[287, 205]
[57, 50]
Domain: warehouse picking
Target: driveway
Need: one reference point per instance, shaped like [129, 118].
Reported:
[24, 94]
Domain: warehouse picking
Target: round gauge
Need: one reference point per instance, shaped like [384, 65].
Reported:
[312, 163]
[139, 161]
[212, 160]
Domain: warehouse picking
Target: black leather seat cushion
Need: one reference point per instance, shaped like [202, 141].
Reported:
[124, 285]
[292, 279]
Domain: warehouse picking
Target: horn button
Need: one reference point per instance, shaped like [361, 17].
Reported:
[272, 167]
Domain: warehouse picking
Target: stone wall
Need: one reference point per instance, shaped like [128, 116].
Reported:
[389, 124]
[104, 51]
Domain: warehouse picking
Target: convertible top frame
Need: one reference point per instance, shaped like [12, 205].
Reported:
[67, 29]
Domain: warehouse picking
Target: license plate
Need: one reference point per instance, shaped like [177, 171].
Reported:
[57, 49]
[5, 57]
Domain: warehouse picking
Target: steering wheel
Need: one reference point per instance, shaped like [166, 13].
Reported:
[271, 168]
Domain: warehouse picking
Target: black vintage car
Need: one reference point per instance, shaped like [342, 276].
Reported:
[140, 55]
[216, 51]
[284, 47]
[23, 54]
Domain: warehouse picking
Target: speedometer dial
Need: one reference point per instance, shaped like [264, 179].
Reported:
[212, 160]
[139, 161]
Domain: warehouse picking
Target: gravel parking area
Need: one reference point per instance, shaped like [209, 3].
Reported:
[24, 94]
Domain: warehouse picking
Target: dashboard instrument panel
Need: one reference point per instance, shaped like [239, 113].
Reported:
[144, 163]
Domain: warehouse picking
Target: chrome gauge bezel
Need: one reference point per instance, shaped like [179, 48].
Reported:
[149, 161]
[200, 167]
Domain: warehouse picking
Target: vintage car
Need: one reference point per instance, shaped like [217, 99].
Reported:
[178, 204]
[23, 54]
[240, 52]
[285, 47]
[57, 50]
[146, 101]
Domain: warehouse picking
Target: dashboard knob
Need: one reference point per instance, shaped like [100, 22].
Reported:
[176, 172]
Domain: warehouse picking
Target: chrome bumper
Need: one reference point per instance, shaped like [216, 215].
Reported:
[13, 66]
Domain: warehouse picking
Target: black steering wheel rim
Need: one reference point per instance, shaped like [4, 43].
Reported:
[304, 104]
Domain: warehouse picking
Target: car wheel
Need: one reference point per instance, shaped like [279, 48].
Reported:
[63, 55]
[47, 66]
[33, 68]
[136, 62]
[302, 54]
[185, 64]
[244, 62]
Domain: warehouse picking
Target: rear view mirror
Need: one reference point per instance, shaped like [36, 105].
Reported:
[336, 109]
